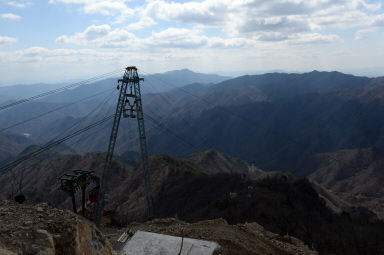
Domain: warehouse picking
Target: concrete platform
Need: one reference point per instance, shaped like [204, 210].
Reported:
[146, 243]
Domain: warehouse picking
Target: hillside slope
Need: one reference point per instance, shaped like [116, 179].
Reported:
[356, 176]
[11, 145]
[183, 188]
[275, 135]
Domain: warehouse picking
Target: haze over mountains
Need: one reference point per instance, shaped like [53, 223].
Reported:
[271, 120]
[325, 126]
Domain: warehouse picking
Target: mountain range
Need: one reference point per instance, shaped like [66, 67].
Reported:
[324, 127]
[274, 120]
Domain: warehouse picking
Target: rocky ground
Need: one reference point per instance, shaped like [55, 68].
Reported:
[42, 229]
[240, 239]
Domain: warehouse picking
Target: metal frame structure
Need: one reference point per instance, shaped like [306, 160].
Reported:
[125, 106]
[71, 183]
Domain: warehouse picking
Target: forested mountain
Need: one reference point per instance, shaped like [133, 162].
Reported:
[273, 133]
[207, 186]
[11, 145]
[326, 126]
[271, 120]
[354, 175]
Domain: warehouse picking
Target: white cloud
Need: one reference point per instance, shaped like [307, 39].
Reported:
[206, 12]
[281, 24]
[103, 36]
[263, 20]
[90, 34]
[271, 37]
[10, 16]
[109, 8]
[19, 4]
[314, 38]
[176, 38]
[42, 64]
[340, 20]
[46, 56]
[142, 23]
[5, 40]
[211, 34]
[256, 16]
[187, 38]
[378, 21]
[363, 33]
[16, 4]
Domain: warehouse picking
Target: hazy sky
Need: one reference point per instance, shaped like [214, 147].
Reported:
[61, 40]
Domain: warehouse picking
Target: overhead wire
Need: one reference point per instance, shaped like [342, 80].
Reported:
[97, 130]
[83, 119]
[83, 138]
[171, 132]
[53, 144]
[200, 137]
[161, 124]
[153, 127]
[52, 111]
[89, 114]
[61, 89]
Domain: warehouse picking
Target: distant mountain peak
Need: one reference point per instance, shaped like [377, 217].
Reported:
[184, 70]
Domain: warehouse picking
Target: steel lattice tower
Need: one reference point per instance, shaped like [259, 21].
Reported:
[128, 104]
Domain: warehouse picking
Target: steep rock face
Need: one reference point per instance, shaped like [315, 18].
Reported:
[42, 229]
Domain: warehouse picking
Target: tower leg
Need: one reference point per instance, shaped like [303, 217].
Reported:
[73, 202]
[144, 152]
[111, 148]
[83, 200]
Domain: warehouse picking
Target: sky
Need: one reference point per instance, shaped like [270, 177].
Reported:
[55, 41]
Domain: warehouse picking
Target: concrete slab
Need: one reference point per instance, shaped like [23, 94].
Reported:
[146, 243]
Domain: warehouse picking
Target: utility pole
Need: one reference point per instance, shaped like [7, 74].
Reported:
[129, 105]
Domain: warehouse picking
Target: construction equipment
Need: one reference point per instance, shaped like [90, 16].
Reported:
[130, 106]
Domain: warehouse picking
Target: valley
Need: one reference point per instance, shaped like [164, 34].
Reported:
[299, 154]
[191, 127]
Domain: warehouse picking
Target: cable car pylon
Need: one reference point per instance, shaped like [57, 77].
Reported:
[129, 103]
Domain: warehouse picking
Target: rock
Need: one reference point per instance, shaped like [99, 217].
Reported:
[41, 234]
[28, 223]
[6, 252]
